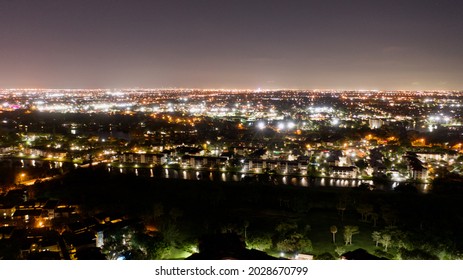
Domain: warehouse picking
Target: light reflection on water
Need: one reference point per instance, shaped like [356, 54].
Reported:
[304, 182]
[273, 180]
[285, 180]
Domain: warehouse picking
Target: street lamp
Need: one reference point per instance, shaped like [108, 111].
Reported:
[261, 125]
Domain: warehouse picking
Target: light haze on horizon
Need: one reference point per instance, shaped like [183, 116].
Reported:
[268, 44]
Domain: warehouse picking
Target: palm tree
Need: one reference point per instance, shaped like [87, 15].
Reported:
[341, 206]
[374, 218]
[246, 225]
[334, 230]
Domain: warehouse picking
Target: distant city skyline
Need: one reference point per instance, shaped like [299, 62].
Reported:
[271, 44]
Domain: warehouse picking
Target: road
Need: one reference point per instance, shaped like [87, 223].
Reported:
[31, 182]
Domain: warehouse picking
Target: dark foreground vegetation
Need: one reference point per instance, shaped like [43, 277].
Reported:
[325, 222]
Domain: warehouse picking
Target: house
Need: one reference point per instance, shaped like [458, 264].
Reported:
[35, 241]
[81, 226]
[65, 211]
[6, 211]
[415, 167]
[343, 171]
[276, 165]
[143, 158]
[45, 153]
[418, 172]
[50, 207]
[191, 161]
[79, 241]
[435, 156]
[26, 217]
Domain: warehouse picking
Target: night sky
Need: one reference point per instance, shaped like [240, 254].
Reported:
[310, 44]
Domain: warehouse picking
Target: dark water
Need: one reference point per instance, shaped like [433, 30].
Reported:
[292, 180]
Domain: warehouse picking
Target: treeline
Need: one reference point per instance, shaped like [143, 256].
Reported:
[409, 223]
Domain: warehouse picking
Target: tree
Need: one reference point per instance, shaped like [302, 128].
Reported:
[389, 215]
[114, 245]
[295, 242]
[386, 240]
[376, 236]
[374, 218]
[341, 206]
[262, 243]
[230, 228]
[364, 209]
[361, 164]
[283, 228]
[334, 230]
[171, 234]
[289, 240]
[157, 248]
[340, 250]
[349, 231]
[416, 254]
[153, 247]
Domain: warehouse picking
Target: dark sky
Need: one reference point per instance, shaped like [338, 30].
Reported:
[336, 44]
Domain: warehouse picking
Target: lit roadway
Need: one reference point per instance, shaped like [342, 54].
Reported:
[31, 182]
